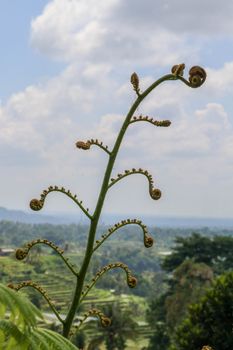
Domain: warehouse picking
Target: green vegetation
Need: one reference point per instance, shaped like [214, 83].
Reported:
[193, 265]
[169, 293]
[19, 325]
[210, 320]
[215, 252]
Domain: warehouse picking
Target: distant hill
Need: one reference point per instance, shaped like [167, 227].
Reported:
[108, 219]
[38, 218]
[174, 222]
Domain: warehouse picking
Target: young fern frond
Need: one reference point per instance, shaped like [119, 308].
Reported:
[155, 193]
[131, 280]
[159, 123]
[197, 77]
[37, 204]
[148, 240]
[105, 321]
[21, 253]
[86, 145]
[41, 290]
[135, 82]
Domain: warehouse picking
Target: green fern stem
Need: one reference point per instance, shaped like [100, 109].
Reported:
[104, 188]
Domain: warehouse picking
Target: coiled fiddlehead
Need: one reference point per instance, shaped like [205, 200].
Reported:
[21, 253]
[131, 280]
[155, 193]
[159, 123]
[41, 290]
[135, 82]
[105, 321]
[86, 145]
[197, 75]
[37, 204]
[148, 240]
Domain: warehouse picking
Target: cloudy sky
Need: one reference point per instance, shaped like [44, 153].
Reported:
[65, 71]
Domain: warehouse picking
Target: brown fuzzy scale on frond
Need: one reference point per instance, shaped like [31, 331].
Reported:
[131, 280]
[148, 240]
[159, 123]
[21, 253]
[155, 193]
[37, 204]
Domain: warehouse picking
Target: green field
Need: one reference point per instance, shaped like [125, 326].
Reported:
[49, 273]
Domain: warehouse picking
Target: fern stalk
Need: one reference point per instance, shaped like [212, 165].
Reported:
[197, 77]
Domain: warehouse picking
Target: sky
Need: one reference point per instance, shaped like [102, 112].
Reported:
[65, 72]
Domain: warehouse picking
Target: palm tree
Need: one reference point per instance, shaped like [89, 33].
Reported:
[123, 327]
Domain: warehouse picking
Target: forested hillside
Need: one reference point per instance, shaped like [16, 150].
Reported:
[171, 275]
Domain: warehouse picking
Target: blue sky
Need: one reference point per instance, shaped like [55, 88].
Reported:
[65, 69]
[20, 64]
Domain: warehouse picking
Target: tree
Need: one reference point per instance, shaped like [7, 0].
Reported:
[160, 340]
[187, 285]
[156, 317]
[216, 252]
[123, 327]
[79, 340]
[209, 321]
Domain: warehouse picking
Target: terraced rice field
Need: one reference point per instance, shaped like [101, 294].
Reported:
[59, 284]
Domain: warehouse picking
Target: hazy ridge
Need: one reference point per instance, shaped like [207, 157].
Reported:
[64, 218]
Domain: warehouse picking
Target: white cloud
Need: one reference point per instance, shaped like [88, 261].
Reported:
[103, 42]
[196, 17]
[44, 115]
[213, 118]
[220, 80]
[107, 31]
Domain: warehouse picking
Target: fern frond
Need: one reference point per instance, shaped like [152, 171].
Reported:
[42, 291]
[33, 339]
[148, 240]
[53, 340]
[131, 280]
[155, 193]
[18, 305]
[86, 145]
[37, 204]
[10, 330]
[21, 253]
[159, 123]
[18, 326]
